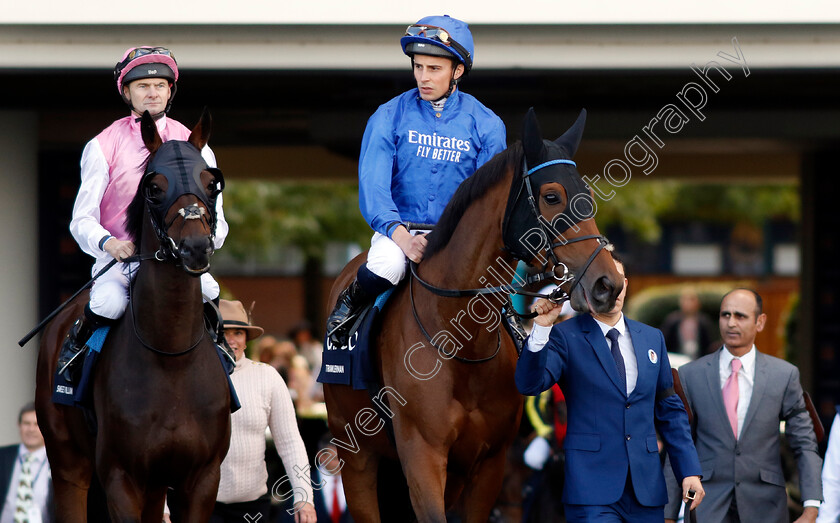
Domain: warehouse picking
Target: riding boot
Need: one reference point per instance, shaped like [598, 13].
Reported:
[352, 300]
[213, 322]
[514, 326]
[71, 355]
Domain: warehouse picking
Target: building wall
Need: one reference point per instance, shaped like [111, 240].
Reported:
[18, 272]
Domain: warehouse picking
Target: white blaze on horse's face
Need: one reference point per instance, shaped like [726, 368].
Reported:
[148, 94]
[433, 74]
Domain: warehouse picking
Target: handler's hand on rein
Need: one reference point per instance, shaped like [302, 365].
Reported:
[547, 312]
[692, 483]
[119, 249]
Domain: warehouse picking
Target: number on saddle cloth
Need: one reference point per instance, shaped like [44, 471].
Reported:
[352, 364]
[78, 395]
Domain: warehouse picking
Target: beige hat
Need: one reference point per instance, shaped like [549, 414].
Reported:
[235, 317]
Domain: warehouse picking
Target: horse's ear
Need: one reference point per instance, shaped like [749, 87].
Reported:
[148, 129]
[201, 132]
[571, 138]
[532, 138]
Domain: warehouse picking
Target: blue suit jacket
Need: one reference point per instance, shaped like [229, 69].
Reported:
[609, 432]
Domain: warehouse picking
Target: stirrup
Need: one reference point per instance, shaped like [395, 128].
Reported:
[75, 343]
[70, 363]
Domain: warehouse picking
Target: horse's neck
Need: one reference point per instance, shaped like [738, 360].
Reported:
[474, 257]
[166, 306]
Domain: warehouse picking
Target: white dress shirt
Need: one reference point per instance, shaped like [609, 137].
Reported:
[41, 474]
[539, 337]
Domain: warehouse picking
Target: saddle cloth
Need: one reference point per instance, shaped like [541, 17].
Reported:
[353, 364]
[80, 396]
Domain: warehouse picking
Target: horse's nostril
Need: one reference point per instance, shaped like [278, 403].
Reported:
[603, 289]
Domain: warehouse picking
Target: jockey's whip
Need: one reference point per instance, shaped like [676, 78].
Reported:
[53, 314]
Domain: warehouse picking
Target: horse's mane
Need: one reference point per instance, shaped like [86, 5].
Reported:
[134, 214]
[474, 187]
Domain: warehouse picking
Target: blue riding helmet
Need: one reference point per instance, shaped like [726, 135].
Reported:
[440, 36]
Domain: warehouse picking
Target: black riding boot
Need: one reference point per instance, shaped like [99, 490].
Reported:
[514, 326]
[352, 300]
[213, 322]
[71, 356]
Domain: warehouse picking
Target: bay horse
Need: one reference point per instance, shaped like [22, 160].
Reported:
[454, 406]
[161, 404]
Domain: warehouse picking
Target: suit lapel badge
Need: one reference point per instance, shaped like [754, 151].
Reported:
[652, 356]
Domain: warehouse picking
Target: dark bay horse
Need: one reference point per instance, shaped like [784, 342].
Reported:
[446, 367]
[160, 397]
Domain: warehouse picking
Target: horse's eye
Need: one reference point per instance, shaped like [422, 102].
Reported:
[552, 198]
[154, 193]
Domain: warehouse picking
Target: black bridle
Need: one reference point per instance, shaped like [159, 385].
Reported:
[558, 295]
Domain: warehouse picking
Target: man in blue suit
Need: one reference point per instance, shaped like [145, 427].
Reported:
[619, 391]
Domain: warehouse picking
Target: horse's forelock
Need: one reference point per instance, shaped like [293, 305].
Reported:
[474, 187]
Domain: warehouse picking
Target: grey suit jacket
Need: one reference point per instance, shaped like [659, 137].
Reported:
[750, 468]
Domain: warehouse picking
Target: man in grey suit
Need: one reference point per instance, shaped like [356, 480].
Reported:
[738, 396]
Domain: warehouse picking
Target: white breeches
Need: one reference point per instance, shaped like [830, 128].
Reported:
[386, 259]
[109, 294]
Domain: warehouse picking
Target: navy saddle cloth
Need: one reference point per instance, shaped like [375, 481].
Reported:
[353, 364]
[80, 395]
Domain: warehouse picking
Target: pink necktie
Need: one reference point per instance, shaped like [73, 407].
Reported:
[730, 396]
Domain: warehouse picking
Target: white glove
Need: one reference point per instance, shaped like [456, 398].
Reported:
[537, 453]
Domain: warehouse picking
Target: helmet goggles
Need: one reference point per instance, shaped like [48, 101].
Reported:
[137, 53]
[439, 35]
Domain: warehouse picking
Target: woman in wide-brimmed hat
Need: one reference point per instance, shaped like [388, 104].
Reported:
[265, 403]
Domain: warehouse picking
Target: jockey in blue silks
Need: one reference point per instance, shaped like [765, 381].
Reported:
[417, 148]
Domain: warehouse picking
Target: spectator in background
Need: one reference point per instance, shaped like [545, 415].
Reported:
[264, 348]
[738, 396]
[25, 479]
[265, 404]
[282, 354]
[307, 346]
[830, 510]
[689, 330]
[305, 391]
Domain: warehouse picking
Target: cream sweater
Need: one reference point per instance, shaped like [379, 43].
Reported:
[265, 403]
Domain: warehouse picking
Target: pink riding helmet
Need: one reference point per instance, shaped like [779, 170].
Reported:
[159, 62]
